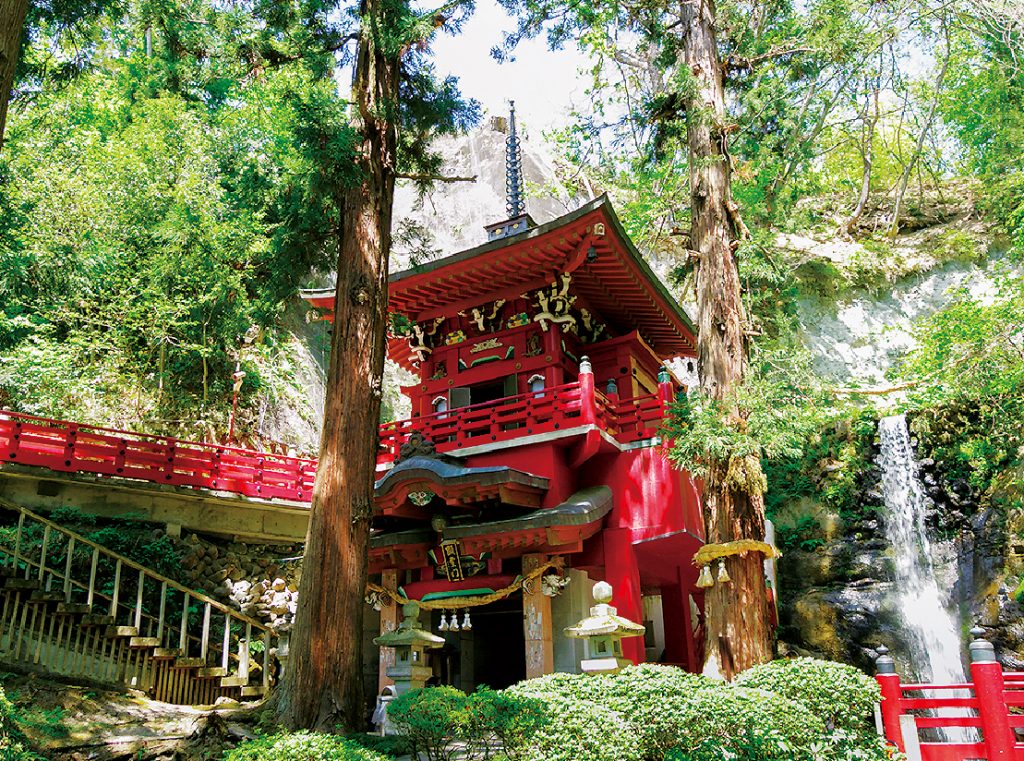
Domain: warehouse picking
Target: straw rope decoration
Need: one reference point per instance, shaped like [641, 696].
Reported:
[709, 553]
[451, 603]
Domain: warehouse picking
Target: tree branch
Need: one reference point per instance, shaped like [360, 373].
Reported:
[433, 177]
[733, 62]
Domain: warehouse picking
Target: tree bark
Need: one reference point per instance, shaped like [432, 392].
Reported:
[737, 625]
[323, 686]
[12, 23]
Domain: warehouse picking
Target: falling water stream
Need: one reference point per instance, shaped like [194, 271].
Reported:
[932, 632]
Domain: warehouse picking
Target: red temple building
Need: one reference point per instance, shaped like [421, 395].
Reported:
[540, 359]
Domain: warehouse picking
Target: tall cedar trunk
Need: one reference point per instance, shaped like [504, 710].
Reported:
[324, 681]
[12, 22]
[737, 624]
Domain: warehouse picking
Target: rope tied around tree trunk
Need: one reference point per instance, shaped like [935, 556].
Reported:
[709, 553]
[521, 582]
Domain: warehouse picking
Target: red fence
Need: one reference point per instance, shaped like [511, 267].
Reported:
[75, 448]
[979, 723]
[503, 420]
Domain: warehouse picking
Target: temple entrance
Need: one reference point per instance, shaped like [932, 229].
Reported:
[491, 653]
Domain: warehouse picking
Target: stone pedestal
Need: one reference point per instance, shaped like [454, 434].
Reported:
[603, 632]
[410, 642]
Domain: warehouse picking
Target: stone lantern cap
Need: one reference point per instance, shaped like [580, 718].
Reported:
[410, 632]
[604, 620]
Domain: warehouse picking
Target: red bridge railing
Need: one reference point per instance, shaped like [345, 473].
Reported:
[77, 448]
[981, 725]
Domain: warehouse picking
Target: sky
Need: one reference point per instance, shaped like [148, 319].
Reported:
[544, 84]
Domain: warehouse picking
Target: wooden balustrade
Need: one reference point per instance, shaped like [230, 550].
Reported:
[72, 447]
[552, 409]
[974, 724]
[125, 624]
[75, 448]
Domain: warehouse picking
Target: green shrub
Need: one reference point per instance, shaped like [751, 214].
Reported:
[431, 719]
[392, 746]
[653, 712]
[841, 695]
[637, 693]
[301, 746]
[13, 743]
[577, 730]
[737, 723]
[435, 718]
[510, 719]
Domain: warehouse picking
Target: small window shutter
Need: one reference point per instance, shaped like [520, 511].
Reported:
[459, 397]
[511, 385]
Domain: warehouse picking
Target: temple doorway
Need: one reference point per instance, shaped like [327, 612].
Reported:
[492, 653]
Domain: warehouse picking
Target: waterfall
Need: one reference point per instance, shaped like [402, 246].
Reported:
[934, 641]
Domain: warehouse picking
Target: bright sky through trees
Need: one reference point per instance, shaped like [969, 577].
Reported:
[544, 84]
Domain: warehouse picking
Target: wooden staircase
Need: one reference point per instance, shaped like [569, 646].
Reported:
[74, 608]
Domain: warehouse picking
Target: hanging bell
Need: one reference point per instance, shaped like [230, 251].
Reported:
[704, 580]
[454, 625]
[443, 626]
[466, 623]
[723, 573]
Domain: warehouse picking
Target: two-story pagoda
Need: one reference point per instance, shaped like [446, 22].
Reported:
[534, 439]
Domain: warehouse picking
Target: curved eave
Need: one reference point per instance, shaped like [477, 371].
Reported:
[555, 529]
[506, 267]
[428, 281]
[441, 473]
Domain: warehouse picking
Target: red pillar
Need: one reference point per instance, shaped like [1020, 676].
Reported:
[622, 572]
[677, 633]
[588, 402]
[987, 675]
[666, 394]
[892, 695]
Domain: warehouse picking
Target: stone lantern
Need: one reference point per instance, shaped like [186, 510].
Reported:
[410, 641]
[603, 631]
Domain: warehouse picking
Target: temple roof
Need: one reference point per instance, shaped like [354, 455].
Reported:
[452, 480]
[617, 284]
[585, 507]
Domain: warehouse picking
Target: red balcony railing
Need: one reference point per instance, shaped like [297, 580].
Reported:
[76, 448]
[510, 418]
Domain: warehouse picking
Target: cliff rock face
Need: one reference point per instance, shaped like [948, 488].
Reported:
[452, 215]
[857, 313]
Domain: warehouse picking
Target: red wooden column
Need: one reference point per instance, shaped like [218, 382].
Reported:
[892, 695]
[622, 572]
[675, 606]
[537, 625]
[389, 613]
[666, 394]
[987, 675]
[588, 402]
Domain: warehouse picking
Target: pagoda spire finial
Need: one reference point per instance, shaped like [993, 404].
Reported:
[514, 203]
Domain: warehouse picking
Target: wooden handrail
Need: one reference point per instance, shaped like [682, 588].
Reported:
[199, 596]
[547, 394]
[29, 562]
[153, 437]
[67, 446]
